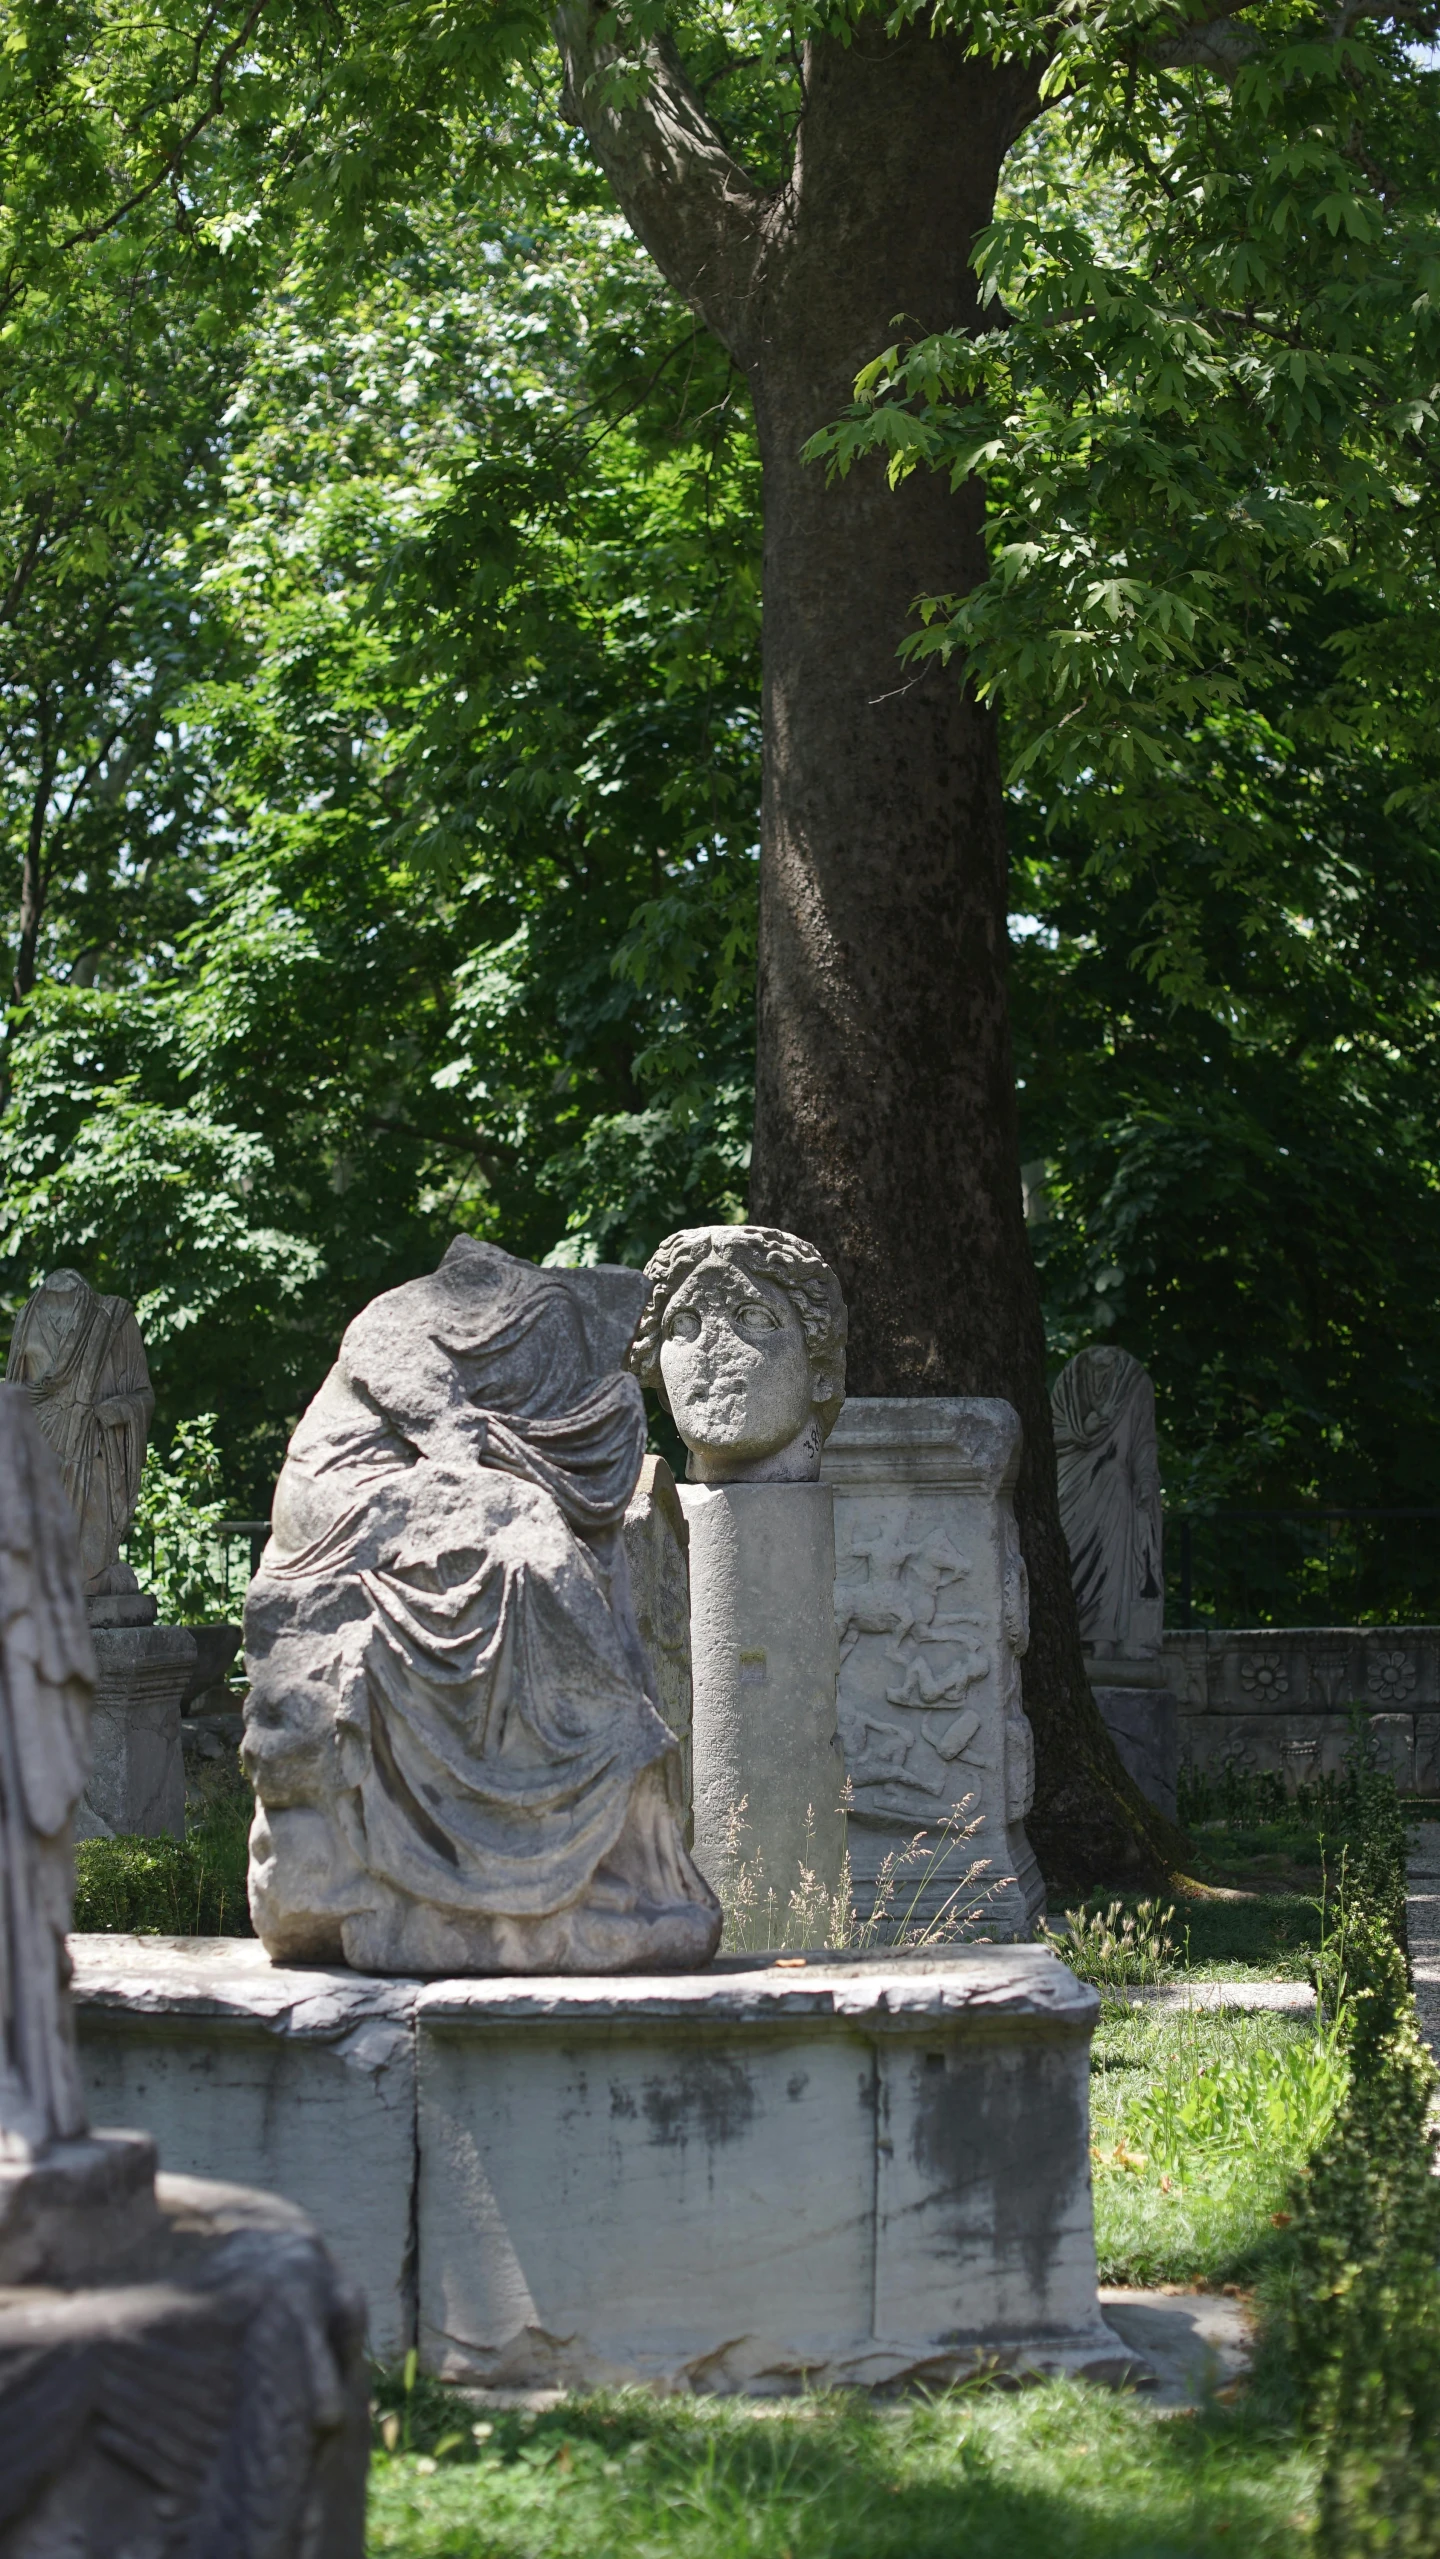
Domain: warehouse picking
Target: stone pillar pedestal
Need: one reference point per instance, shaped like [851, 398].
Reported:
[137, 1777]
[932, 1607]
[1143, 1722]
[762, 1636]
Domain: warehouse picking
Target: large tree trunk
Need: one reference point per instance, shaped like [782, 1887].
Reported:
[885, 1125]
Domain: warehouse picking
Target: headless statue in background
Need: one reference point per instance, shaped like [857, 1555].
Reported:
[81, 1357]
[452, 1726]
[1109, 1474]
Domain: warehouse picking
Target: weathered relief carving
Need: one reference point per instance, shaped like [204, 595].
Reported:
[743, 1339]
[1263, 1675]
[452, 1725]
[899, 1580]
[931, 1611]
[81, 1359]
[1109, 1476]
[1391, 1673]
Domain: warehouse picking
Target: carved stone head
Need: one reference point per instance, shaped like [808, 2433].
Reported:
[743, 1338]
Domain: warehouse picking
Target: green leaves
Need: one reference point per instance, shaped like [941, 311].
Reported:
[425, 898]
[1208, 394]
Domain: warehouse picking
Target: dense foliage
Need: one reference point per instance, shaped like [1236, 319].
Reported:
[378, 698]
[1204, 424]
[433, 904]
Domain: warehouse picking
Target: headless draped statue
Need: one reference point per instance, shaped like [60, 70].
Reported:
[1109, 1474]
[82, 1359]
[452, 1725]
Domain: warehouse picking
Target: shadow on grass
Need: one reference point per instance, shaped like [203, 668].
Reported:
[1059, 2471]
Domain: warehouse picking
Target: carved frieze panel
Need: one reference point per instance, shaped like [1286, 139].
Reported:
[932, 1610]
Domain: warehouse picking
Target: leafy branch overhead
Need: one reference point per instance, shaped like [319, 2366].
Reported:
[1196, 410]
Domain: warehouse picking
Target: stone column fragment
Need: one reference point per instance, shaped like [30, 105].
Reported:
[767, 1756]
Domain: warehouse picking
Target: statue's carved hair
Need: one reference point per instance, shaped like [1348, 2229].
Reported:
[764, 1252]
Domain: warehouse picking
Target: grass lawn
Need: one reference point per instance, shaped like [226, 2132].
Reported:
[1068, 2470]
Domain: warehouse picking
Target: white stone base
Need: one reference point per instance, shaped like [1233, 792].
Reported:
[757, 2178]
[243, 2070]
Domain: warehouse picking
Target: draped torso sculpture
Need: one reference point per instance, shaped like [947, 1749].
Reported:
[1104, 1408]
[451, 1725]
[83, 1361]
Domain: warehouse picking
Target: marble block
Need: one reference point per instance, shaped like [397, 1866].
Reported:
[137, 1778]
[247, 2070]
[767, 1755]
[1144, 1725]
[762, 2178]
[932, 1613]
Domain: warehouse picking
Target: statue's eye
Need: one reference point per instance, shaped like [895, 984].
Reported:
[683, 1325]
[755, 1318]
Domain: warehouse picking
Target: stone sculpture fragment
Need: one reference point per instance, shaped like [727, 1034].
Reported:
[452, 1725]
[82, 1359]
[743, 1338]
[1104, 1408]
[180, 2366]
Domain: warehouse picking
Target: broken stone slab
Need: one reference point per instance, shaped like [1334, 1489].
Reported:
[141, 2407]
[137, 1777]
[1144, 1725]
[215, 1649]
[248, 2071]
[818, 2172]
[1246, 1998]
[1194, 2343]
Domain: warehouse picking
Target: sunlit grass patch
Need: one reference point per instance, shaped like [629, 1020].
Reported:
[1066, 2470]
[1199, 2124]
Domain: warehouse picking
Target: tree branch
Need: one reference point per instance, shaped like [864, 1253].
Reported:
[701, 215]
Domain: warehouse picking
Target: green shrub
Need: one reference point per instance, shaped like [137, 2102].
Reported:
[190, 1887]
[1360, 2321]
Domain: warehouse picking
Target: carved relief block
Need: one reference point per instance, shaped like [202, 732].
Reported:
[932, 1616]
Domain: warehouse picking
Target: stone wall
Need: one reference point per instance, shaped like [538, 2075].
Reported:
[1281, 1698]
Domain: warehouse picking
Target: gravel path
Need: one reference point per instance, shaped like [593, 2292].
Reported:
[1289, 1998]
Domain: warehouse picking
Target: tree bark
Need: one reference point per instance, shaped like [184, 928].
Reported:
[885, 1119]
